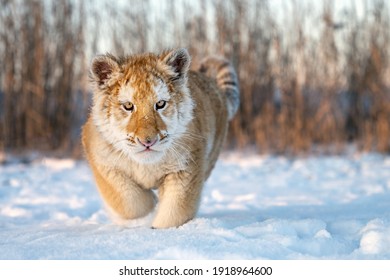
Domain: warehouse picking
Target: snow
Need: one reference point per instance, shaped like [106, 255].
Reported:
[253, 207]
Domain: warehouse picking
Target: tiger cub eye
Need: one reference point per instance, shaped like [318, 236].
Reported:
[161, 104]
[128, 106]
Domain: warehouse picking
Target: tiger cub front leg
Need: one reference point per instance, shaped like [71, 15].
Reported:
[125, 199]
[178, 199]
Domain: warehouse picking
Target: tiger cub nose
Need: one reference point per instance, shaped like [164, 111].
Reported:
[148, 141]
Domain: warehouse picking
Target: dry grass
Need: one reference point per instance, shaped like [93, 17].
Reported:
[309, 80]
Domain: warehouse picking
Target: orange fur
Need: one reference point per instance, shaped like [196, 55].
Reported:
[155, 124]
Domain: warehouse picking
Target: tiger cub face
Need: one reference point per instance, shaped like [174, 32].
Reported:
[141, 103]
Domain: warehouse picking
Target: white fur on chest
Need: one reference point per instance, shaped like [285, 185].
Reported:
[147, 176]
[150, 175]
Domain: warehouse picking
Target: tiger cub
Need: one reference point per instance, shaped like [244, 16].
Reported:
[155, 124]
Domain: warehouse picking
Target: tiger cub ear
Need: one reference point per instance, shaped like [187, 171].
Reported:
[104, 68]
[176, 62]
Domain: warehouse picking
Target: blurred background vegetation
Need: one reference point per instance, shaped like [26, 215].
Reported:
[313, 74]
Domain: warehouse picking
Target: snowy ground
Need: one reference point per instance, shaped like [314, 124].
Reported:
[253, 207]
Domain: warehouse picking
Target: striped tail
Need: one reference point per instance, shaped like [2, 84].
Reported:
[223, 72]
